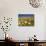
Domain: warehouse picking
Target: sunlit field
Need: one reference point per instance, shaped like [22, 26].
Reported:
[26, 21]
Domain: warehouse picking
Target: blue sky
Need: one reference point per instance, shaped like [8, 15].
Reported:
[25, 15]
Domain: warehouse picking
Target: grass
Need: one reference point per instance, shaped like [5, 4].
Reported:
[29, 21]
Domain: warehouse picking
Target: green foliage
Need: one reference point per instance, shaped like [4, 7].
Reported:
[29, 21]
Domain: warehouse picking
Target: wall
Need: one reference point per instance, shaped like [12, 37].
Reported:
[11, 8]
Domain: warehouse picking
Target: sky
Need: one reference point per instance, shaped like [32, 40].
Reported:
[26, 15]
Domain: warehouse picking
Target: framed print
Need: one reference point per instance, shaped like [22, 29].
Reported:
[25, 19]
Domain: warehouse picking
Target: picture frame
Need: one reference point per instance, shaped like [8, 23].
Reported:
[25, 19]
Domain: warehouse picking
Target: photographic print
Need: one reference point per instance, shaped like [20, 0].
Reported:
[26, 20]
